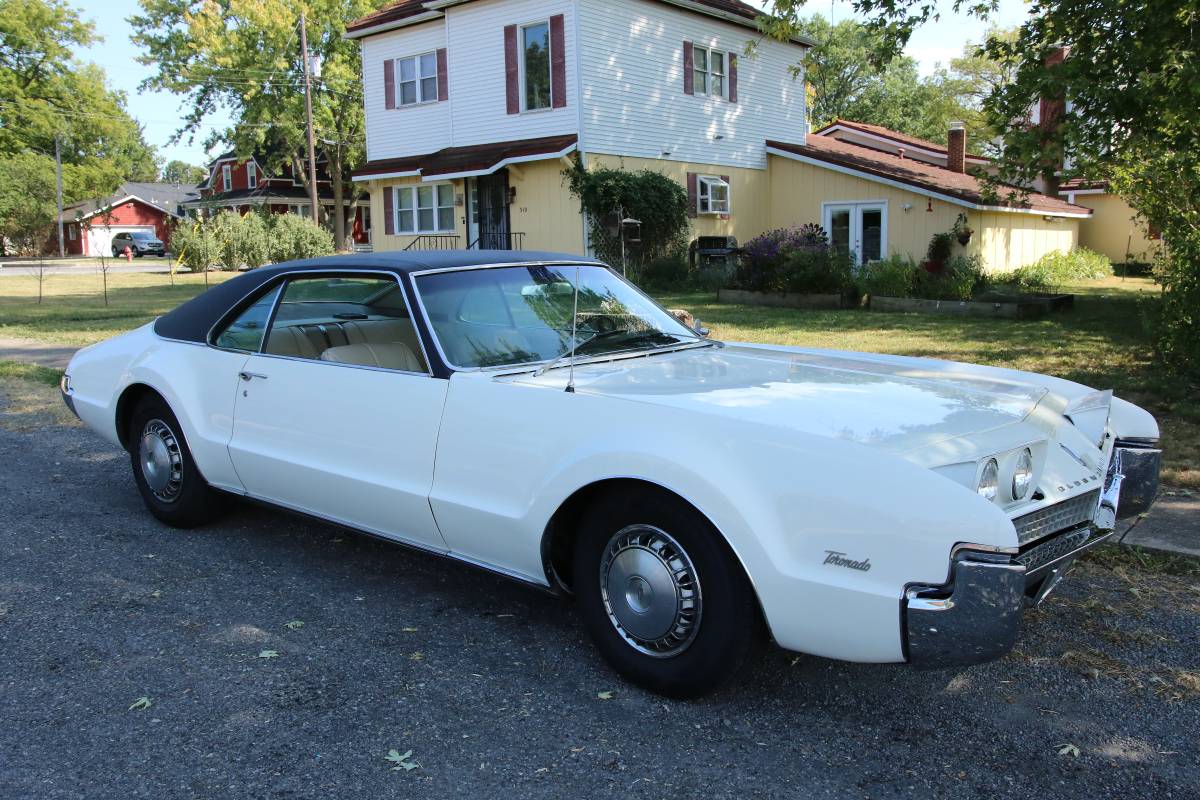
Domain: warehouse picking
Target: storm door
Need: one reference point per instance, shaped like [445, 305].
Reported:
[492, 200]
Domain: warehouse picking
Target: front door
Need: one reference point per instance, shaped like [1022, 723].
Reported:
[859, 229]
[337, 415]
[492, 192]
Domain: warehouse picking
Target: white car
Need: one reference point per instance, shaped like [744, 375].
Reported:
[538, 416]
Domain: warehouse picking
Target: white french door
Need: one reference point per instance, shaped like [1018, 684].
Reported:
[858, 228]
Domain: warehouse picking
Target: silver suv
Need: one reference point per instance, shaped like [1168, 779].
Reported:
[139, 243]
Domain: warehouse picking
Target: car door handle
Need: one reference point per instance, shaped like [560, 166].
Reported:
[249, 375]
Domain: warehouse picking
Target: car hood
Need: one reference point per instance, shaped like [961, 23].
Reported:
[894, 407]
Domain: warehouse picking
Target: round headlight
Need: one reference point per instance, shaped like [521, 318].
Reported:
[989, 480]
[1023, 475]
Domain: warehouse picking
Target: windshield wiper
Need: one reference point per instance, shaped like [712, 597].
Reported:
[638, 336]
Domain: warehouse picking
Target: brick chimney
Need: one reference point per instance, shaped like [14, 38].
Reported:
[956, 148]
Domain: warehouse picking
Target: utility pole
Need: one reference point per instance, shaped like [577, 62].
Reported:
[58, 179]
[312, 145]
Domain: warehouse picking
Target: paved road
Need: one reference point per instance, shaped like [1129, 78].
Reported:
[144, 264]
[493, 686]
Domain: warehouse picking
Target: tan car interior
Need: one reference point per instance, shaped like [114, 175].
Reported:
[386, 343]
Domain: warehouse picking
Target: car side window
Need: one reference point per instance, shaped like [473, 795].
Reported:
[248, 328]
[360, 320]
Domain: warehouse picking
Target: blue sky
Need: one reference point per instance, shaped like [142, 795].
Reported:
[160, 112]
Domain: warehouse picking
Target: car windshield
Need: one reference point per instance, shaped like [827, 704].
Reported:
[501, 316]
[142, 236]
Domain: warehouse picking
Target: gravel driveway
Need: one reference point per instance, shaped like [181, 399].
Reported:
[494, 688]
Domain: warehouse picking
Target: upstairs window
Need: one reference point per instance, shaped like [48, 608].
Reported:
[226, 177]
[251, 175]
[417, 79]
[535, 65]
[708, 71]
[712, 195]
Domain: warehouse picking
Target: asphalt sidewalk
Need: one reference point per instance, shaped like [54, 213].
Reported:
[1172, 526]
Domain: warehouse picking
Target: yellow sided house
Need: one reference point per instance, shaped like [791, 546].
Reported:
[475, 107]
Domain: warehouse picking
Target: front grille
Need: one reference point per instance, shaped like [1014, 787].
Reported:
[1057, 517]
[1041, 554]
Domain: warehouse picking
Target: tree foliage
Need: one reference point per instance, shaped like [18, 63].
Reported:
[27, 202]
[177, 171]
[850, 79]
[244, 55]
[45, 93]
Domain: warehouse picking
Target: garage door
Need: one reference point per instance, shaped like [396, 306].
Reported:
[100, 237]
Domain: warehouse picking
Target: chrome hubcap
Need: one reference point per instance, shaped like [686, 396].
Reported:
[650, 590]
[161, 460]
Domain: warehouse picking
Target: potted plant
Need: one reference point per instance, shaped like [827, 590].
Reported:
[962, 231]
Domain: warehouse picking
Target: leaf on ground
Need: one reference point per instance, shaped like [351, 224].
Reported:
[141, 704]
[401, 760]
[1068, 749]
[418, 656]
[268, 654]
[408, 630]
[605, 695]
[294, 625]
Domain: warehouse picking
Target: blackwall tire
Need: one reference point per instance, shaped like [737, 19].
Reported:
[171, 486]
[662, 595]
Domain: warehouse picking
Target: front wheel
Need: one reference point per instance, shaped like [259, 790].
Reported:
[166, 475]
[663, 596]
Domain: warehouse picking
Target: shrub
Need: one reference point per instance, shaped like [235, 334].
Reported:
[226, 228]
[254, 240]
[794, 260]
[960, 279]
[1054, 269]
[940, 247]
[893, 276]
[669, 272]
[194, 245]
[293, 237]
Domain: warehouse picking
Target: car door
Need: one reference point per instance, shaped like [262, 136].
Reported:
[337, 414]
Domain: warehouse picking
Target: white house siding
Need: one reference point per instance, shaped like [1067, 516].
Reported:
[403, 131]
[477, 87]
[633, 98]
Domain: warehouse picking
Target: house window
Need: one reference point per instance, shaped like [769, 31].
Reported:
[428, 208]
[712, 196]
[71, 232]
[535, 65]
[417, 80]
[708, 71]
[251, 176]
[226, 177]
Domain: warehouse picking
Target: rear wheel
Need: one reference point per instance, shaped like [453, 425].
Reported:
[166, 475]
[662, 595]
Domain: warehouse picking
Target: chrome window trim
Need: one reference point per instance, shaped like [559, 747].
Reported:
[283, 278]
[531, 366]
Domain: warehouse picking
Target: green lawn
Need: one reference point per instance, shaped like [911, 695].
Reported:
[1102, 342]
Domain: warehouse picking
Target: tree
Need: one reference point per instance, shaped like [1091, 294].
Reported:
[45, 94]
[245, 55]
[177, 171]
[27, 203]
[850, 79]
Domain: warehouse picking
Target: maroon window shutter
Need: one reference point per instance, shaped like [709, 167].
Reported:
[733, 77]
[389, 84]
[692, 194]
[389, 214]
[688, 75]
[443, 76]
[512, 93]
[558, 62]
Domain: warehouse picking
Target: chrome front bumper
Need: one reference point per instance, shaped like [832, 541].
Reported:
[975, 615]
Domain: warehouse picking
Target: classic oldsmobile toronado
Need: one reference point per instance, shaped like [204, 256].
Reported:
[537, 415]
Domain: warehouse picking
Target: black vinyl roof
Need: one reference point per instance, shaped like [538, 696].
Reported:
[192, 321]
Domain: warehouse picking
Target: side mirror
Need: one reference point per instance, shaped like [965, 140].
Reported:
[700, 330]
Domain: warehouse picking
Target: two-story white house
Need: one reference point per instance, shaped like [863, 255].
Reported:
[474, 107]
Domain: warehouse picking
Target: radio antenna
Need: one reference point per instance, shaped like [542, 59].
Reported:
[574, 323]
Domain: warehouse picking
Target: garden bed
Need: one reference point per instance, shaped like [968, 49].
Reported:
[783, 299]
[1016, 309]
